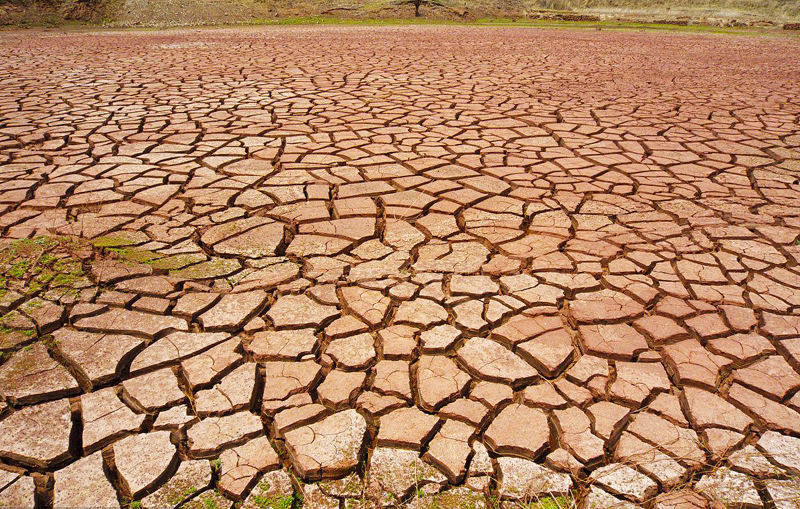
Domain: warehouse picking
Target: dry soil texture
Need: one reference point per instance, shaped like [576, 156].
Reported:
[356, 267]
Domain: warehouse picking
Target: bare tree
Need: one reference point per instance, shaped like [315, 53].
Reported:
[419, 3]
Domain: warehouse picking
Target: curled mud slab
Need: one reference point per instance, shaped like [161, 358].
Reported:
[361, 267]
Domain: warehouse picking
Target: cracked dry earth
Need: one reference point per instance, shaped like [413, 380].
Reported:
[367, 267]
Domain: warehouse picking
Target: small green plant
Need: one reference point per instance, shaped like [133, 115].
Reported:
[182, 495]
[550, 502]
[135, 505]
[272, 502]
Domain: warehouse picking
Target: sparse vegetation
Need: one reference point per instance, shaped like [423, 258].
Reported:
[550, 502]
[272, 502]
[31, 266]
[629, 13]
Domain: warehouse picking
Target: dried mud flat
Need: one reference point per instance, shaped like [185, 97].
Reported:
[362, 267]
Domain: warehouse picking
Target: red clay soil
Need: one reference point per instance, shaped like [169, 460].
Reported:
[446, 266]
